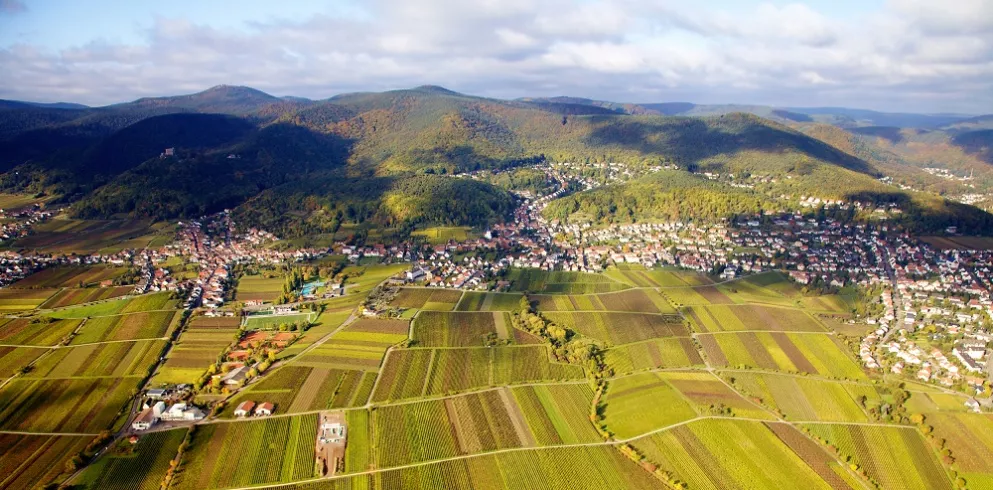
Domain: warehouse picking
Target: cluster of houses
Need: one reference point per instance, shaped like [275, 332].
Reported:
[18, 223]
[248, 408]
[177, 412]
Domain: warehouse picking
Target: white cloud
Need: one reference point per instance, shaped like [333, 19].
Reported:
[904, 57]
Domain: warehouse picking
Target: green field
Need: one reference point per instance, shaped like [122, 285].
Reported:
[709, 394]
[270, 322]
[739, 454]
[895, 457]
[359, 346]
[440, 235]
[790, 352]
[476, 301]
[259, 288]
[632, 301]
[145, 302]
[558, 414]
[970, 438]
[13, 359]
[72, 297]
[634, 405]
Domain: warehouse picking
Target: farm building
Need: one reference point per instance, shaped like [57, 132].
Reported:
[145, 420]
[156, 393]
[332, 432]
[235, 376]
[244, 408]
[182, 411]
[264, 409]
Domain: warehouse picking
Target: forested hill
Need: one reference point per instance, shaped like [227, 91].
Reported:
[384, 158]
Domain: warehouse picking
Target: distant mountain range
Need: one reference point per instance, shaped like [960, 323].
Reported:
[303, 166]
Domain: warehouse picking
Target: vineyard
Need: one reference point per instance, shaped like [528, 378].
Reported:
[664, 353]
[15, 300]
[117, 359]
[459, 329]
[536, 280]
[790, 352]
[558, 414]
[30, 331]
[801, 398]
[410, 373]
[700, 453]
[279, 449]
[295, 388]
[259, 288]
[360, 346]
[970, 438]
[68, 277]
[633, 405]
[13, 359]
[631, 301]
[427, 299]
[138, 467]
[137, 304]
[71, 297]
[476, 301]
[730, 318]
[134, 326]
[621, 328]
[894, 457]
[63, 405]
[706, 391]
[28, 461]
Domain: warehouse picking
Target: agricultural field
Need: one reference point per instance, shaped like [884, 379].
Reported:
[539, 281]
[807, 399]
[634, 405]
[324, 324]
[28, 461]
[699, 453]
[137, 304]
[621, 328]
[134, 326]
[114, 359]
[141, 466]
[70, 277]
[86, 237]
[16, 300]
[696, 296]
[663, 353]
[237, 454]
[271, 322]
[440, 235]
[970, 438]
[437, 429]
[631, 301]
[433, 299]
[63, 405]
[709, 394]
[15, 202]
[557, 413]
[359, 346]
[733, 318]
[936, 401]
[259, 288]
[639, 276]
[811, 353]
[960, 242]
[35, 331]
[575, 468]
[199, 346]
[293, 389]
[13, 359]
[477, 301]
[72, 297]
[411, 373]
[461, 329]
[893, 456]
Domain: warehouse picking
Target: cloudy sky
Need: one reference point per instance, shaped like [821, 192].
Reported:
[894, 55]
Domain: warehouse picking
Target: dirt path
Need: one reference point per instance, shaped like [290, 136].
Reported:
[517, 417]
[487, 303]
[500, 322]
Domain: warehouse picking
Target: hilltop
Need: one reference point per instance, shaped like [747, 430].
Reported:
[385, 158]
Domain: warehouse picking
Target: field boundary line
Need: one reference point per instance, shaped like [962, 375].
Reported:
[29, 433]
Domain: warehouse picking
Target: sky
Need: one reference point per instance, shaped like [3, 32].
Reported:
[890, 55]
